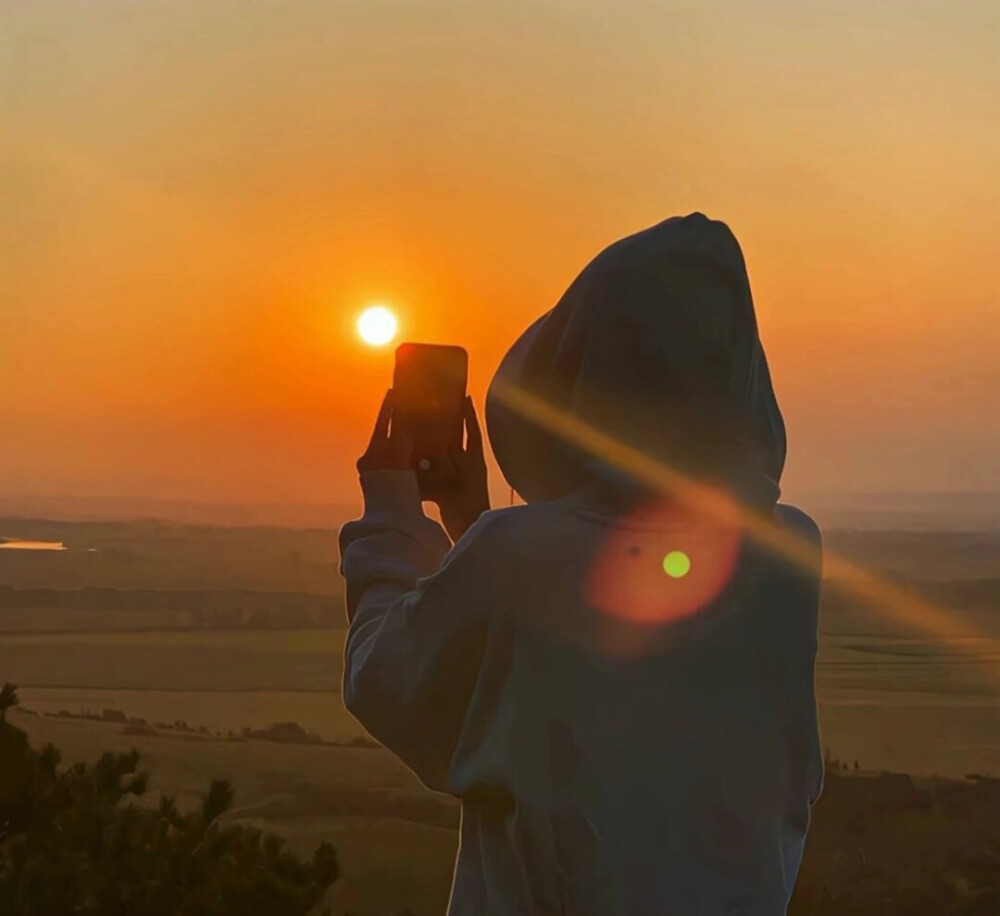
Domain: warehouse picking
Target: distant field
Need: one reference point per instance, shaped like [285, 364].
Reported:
[301, 660]
[937, 556]
[221, 679]
[74, 620]
[319, 712]
[905, 703]
[165, 555]
[235, 627]
[89, 608]
[327, 643]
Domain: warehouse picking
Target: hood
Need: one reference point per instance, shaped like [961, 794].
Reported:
[655, 343]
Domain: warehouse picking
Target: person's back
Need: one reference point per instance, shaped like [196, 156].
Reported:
[616, 680]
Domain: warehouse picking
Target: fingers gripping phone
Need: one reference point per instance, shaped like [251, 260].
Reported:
[428, 398]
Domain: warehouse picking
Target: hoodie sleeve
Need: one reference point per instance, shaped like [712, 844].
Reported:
[417, 626]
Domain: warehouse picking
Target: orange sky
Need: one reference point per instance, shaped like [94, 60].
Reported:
[201, 195]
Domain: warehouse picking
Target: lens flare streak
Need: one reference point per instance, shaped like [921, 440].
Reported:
[888, 599]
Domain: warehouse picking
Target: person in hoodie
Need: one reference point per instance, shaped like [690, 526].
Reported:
[618, 683]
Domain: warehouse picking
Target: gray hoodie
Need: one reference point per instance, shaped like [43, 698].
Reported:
[618, 688]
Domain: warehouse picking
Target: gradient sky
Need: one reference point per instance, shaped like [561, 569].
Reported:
[200, 195]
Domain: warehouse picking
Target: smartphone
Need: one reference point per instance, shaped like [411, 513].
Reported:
[428, 384]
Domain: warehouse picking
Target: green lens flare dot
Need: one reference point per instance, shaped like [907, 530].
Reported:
[676, 564]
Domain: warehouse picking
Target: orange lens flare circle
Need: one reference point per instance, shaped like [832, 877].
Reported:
[662, 564]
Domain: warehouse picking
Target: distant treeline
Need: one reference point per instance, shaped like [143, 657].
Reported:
[207, 607]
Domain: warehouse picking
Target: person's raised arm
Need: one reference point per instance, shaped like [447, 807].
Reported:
[417, 614]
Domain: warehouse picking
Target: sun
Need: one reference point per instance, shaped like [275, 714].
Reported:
[377, 325]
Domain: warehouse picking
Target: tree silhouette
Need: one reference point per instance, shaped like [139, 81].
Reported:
[8, 700]
[82, 840]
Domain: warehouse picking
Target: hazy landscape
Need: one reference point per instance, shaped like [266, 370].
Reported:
[216, 651]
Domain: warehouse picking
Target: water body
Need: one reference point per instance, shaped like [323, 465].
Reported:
[17, 544]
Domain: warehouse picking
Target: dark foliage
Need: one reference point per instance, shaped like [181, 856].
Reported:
[80, 840]
[882, 846]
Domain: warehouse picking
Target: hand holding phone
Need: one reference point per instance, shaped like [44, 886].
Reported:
[428, 387]
[469, 496]
[421, 426]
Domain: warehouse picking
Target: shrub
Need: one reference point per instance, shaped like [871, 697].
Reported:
[81, 840]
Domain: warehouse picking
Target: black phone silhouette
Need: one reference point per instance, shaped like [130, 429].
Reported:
[429, 384]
